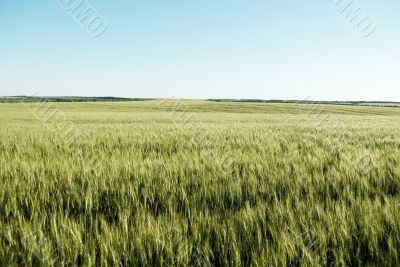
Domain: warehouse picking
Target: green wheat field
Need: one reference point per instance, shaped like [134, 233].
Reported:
[199, 183]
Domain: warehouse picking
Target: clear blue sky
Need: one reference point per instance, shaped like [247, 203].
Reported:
[201, 49]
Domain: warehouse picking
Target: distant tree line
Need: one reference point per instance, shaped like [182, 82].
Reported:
[15, 99]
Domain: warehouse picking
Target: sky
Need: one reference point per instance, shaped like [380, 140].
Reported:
[255, 49]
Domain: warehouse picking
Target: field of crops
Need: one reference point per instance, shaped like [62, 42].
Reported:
[197, 183]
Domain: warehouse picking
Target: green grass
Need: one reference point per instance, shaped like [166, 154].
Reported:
[207, 183]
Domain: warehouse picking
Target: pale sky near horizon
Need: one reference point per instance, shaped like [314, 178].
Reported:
[202, 49]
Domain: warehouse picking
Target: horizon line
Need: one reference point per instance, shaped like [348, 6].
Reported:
[307, 100]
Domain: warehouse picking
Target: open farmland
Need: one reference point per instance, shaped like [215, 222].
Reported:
[199, 183]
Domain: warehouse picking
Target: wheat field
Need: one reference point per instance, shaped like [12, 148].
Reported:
[199, 183]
